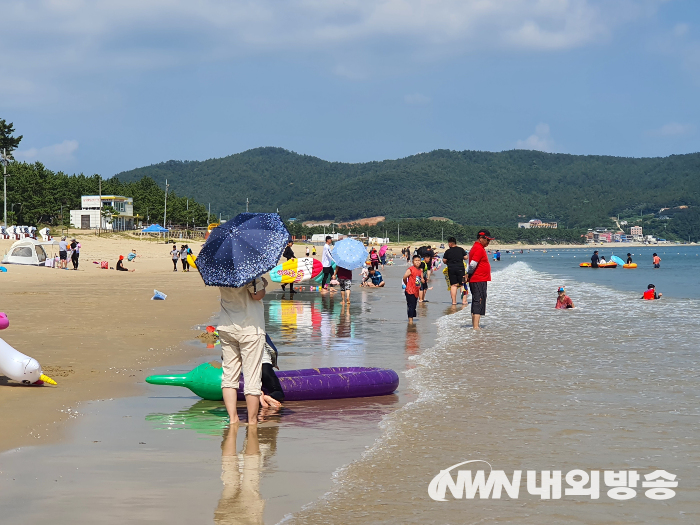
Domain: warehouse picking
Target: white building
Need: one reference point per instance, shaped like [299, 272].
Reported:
[88, 217]
[321, 237]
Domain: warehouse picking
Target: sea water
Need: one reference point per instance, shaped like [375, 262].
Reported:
[610, 385]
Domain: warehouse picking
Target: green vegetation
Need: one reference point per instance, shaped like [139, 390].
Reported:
[7, 141]
[470, 187]
[36, 195]
[413, 230]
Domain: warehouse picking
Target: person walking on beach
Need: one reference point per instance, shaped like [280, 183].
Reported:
[242, 335]
[454, 258]
[313, 252]
[327, 262]
[63, 253]
[183, 257]
[307, 251]
[175, 254]
[657, 261]
[479, 270]
[426, 267]
[595, 259]
[412, 280]
[289, 255]
[374, 258]
[75, 248]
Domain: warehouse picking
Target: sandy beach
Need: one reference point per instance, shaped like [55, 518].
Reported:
[96, 332]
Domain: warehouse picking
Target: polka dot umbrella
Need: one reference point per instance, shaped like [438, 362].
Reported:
[242, 249]
[349, 254]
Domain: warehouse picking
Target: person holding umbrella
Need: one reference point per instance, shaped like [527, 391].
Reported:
[234, 258]
[348, 254]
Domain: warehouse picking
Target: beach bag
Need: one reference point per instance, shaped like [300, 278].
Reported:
[104, 265]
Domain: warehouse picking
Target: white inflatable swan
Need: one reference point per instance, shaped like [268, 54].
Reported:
[18, 366]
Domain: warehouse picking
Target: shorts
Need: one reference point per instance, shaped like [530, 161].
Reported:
[63, 256]
[345, 285]
[455, 276]
[424, 286]
[375, 264]
[478, 291]
[657, 265]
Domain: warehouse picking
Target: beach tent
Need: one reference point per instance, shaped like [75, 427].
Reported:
[29, 251]
[154, 228]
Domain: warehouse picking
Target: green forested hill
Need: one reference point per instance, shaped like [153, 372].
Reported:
[470, 187]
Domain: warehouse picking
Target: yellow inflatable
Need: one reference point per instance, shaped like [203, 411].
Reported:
[630, 265]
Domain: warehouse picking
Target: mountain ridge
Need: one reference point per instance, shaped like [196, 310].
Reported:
[467, 186]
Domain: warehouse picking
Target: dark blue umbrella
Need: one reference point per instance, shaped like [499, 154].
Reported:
[242, 249]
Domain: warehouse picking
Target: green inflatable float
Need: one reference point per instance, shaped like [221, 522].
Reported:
[205, 381]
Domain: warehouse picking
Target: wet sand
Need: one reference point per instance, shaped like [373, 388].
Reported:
[158, 455]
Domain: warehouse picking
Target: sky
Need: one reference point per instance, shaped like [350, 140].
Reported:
[99, 86]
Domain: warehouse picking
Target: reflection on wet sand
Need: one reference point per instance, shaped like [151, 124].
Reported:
[412, 340]
[240, 501]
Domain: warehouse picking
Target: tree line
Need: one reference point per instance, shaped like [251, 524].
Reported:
[37, 195]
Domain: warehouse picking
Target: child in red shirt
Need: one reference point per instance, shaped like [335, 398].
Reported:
[412, 280]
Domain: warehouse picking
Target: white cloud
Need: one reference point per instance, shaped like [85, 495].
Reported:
[56, 153]
[673, 129]
[65, 37]
[416, 99]
[540, 140]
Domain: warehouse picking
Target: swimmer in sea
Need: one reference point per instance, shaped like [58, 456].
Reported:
[629, 258]
[563, 300]
[651, 294]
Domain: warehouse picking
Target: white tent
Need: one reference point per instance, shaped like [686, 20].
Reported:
[29, 251]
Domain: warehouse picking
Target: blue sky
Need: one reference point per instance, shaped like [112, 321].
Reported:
[102, 86]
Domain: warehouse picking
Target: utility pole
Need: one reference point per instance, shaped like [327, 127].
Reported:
[4, 185]
[99, 224]
[246, 204]
[208, 213]
[165, 210]
[398, 233]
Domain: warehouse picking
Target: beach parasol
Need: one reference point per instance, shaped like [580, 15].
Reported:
[242, 249]
[349, 254]
[383, 250]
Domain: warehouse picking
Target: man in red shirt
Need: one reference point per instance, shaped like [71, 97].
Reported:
[479, 272]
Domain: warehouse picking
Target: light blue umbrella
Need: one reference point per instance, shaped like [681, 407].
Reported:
[349, 254]
[617, 260]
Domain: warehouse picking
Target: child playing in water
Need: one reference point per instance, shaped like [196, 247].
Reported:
[563, 300]
[651, 294]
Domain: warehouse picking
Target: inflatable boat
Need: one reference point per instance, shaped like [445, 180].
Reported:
[630, 265]
[606, 265]
[298, 385]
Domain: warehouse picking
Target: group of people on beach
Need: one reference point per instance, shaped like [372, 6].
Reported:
[468, 271]
[68, 250]
[180, 256]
